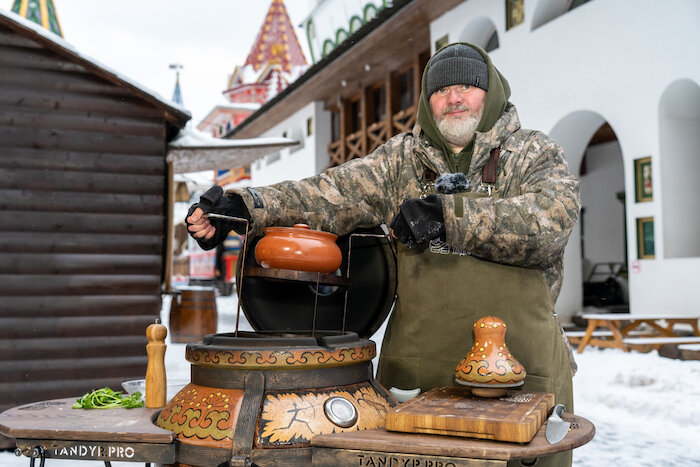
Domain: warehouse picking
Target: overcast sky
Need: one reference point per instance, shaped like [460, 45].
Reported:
[140, 39]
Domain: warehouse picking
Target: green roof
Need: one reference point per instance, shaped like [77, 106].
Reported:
[42, 12]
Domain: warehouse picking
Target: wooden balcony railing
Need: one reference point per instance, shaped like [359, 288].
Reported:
[363, 142]
[404, 120]
[336, 151]
[377, 134]
[356, 145]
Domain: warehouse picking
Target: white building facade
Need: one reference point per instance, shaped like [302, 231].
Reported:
[631, 66]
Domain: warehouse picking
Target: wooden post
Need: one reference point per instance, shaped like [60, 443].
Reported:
[364, 119]
[155, 371]
[417, 74]
[390, 99]
[169, 227]
[343, 130]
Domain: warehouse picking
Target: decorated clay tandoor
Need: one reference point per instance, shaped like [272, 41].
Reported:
[489, 368]
[290, 409]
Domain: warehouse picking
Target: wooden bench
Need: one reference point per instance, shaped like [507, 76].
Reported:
[576, 336]
[689, 351]
[620, 326]
[662, 340]
[656, 342]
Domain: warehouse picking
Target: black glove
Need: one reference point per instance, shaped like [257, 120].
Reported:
[418, 221]
[214, 201]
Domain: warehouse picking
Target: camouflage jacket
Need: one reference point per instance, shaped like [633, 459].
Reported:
[526, 223]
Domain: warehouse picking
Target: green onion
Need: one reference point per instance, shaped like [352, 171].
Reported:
[106, 398]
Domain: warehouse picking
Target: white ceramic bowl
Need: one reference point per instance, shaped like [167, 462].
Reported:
[173, 387]
[135, 385]
[403, 395]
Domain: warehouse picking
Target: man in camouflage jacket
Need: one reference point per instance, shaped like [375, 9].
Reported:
[524, 219]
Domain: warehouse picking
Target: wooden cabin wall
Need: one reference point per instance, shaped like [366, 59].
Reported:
[82, 186]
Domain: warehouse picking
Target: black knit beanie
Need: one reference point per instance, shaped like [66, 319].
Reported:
[457, 64]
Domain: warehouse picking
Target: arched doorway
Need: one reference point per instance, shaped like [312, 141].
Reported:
[602, 223]
[596, 249]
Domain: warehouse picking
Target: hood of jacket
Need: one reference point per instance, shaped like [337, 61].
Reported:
[494, 106]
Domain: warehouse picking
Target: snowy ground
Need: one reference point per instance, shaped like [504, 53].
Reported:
[646, 408]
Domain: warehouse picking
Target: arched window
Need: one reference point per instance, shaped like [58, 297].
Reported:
[355, 23]
[328, 46]
[370, 12]
[548, 10]
[310, 37]
[679, 137]
[482, 32]
[492, 43]
[340, 35]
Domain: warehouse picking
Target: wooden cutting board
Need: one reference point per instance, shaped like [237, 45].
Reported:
[455, 411]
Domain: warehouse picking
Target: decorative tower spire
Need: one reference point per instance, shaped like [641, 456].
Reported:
[42, 12]
[177, 95]
[276, 42]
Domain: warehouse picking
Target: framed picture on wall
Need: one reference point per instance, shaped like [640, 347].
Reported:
[642, 180]
[645, 238]
[515, 13]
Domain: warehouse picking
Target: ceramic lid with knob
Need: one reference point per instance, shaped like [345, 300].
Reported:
[276, 304]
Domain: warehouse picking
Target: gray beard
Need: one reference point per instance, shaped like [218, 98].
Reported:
[459, 132]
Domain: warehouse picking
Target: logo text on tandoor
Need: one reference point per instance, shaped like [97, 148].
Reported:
[392, 460]
[82, 450]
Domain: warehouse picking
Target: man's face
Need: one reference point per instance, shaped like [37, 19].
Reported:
[457, 110]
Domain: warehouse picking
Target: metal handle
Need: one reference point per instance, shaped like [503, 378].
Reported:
[38, 452]
[558, 410]
[386, 235]
[225, 217]
[239, 286]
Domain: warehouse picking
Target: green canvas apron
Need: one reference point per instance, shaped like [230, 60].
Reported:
[440, 296]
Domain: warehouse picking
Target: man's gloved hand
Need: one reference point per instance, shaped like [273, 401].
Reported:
[210, 232]
[418, 221]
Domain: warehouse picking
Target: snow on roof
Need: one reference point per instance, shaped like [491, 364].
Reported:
[204, 178]
[239, 105]
[192, 139]
[297, 71]
[227, 109]
[246, 73]
[194, 151]
[14, 21]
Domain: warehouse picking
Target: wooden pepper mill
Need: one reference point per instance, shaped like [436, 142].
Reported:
[156, 384]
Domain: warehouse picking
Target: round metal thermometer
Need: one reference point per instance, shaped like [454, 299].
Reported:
[340, 411]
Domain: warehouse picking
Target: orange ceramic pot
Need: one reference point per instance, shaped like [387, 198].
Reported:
[299, 248]
[489, 368]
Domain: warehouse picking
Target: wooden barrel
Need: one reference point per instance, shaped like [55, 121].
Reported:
[193, 314]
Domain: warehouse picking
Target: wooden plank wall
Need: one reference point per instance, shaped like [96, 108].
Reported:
[82, 186]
